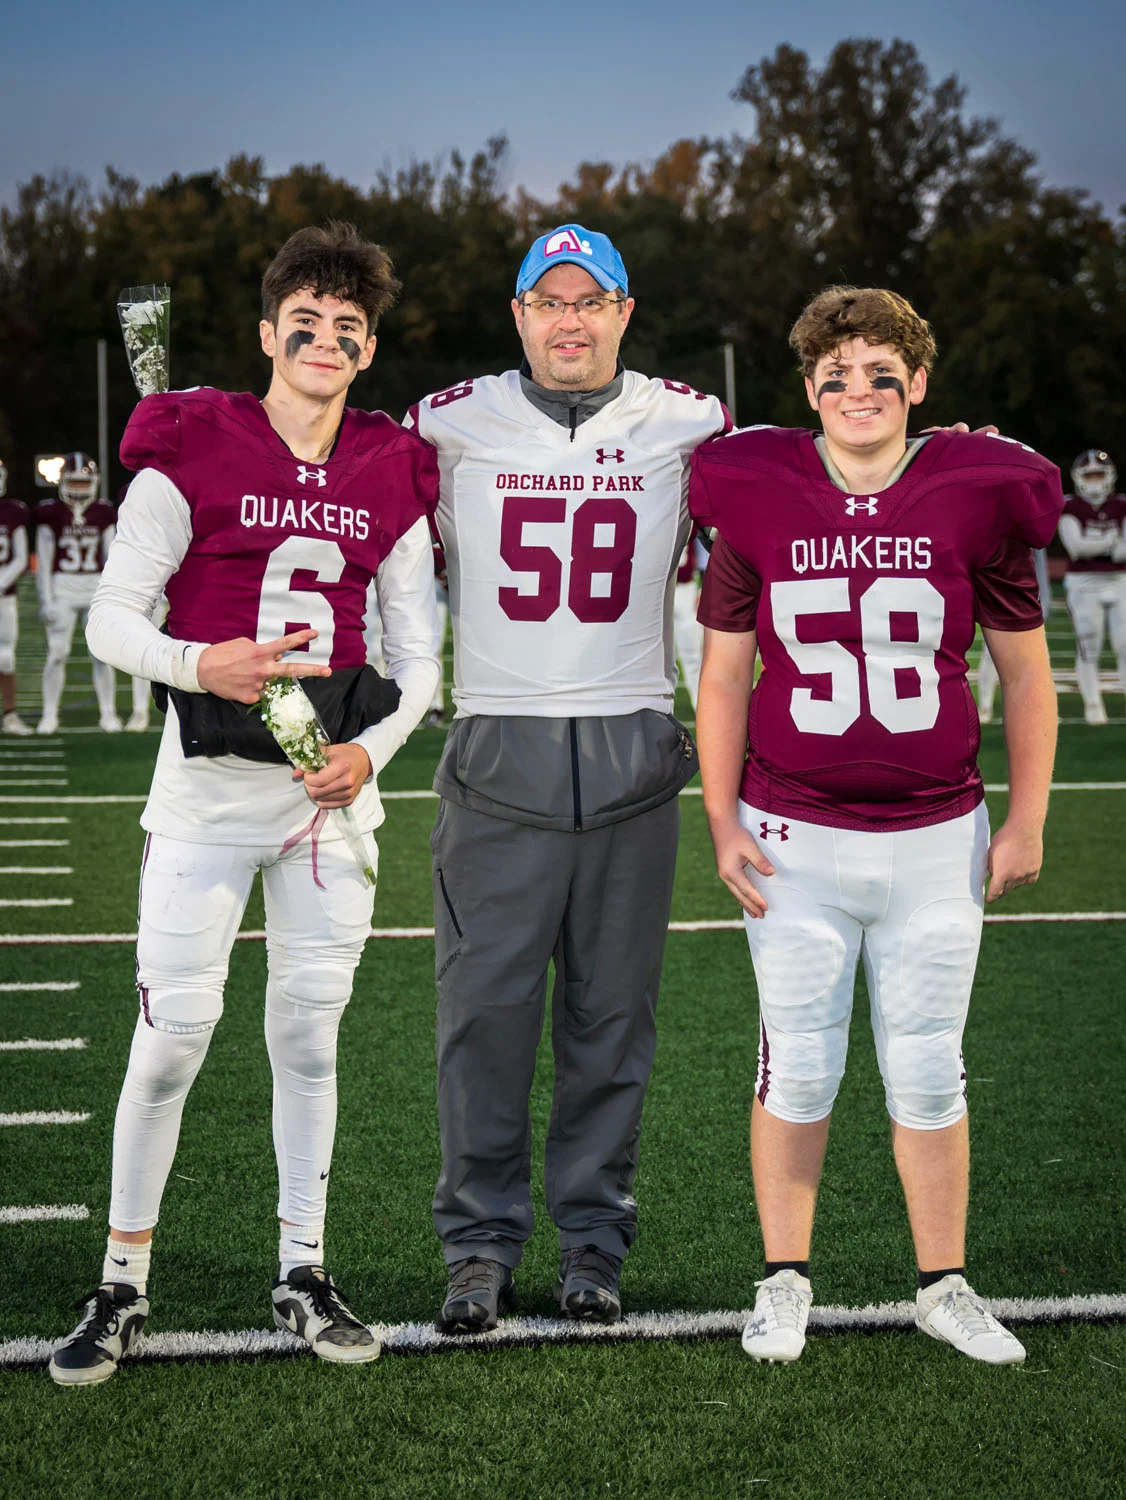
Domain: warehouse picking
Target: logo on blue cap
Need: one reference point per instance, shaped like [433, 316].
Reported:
[573, 244]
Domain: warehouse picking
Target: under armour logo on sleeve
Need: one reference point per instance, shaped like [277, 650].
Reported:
[779, 833]
[852, 505]
[304, 475]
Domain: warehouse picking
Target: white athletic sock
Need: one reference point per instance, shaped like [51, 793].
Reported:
[54, 675]
[300, 1245]
[127, 1263]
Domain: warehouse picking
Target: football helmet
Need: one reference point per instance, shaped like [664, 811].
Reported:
[3, 479]
[1094, 476]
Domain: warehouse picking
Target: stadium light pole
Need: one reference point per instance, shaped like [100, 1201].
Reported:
[729, 380]
[103, 418]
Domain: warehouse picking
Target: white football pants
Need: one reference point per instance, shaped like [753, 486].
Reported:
[9, 633]
[192, 897]
[60, 637]
[910, 902]
[1096, 603]
[688, 635]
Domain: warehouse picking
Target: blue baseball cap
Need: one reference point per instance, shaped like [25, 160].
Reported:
[578, 246]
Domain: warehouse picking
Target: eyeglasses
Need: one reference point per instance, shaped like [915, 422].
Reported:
[555, 307]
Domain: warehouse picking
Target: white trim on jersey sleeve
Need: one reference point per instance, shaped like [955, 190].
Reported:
[411, 642]
[44, 566]
[1079, 545]
[154, 531]
[16, 566]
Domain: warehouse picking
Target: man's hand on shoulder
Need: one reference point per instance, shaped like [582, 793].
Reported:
[735, 849]
[338, 783]
[241, 668]
[989, 431]
[1015, 857]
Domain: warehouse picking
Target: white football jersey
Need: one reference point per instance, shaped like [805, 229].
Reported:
[562, 547]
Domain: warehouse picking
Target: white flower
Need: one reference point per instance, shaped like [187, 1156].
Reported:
[293, 713]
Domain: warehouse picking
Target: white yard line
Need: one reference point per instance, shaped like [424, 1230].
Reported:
[11, 986]
[40, 781]
[724, 924]
[40, 1213]
[45, 1117]
[421, 1338]
[71, 801]
[39, 901]
[35, 1044]
[29, 822]
[34, 843]
[36, 869]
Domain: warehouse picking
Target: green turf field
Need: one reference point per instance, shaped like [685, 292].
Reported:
[884, 1413]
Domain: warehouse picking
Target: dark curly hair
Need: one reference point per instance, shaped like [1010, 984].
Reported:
[877, 316]
[331, 262]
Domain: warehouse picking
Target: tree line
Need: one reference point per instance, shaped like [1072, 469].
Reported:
[863, 170]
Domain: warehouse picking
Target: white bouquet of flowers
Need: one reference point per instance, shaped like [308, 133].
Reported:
[145, 315]
[292, 720]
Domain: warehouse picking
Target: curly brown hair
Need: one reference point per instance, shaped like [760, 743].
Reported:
[873, 314]
[331, 262]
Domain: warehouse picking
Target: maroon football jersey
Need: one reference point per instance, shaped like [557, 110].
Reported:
[14, 515]
[79, 537]
[1097, 520]
[865, 607]
[279, 545]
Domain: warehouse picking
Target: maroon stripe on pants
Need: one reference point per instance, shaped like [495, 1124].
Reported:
[764, 1063]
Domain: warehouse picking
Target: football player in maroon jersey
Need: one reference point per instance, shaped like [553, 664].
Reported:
[263, 522]
[843, 794]
[1093, 532]
[14, 517]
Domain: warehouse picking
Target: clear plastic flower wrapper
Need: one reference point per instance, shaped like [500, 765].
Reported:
[292, 720]
[145, 315]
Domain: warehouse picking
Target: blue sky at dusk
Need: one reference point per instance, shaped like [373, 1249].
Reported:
[153, 90]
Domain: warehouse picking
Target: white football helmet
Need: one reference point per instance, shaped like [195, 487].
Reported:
[79, 481]
[3, 479]
[1094, 476]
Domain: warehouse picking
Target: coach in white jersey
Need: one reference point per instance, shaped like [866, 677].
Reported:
[263, 522]
[563, 514]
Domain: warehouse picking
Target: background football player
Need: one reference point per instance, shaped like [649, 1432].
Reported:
[688, 633]
[1093, 532]
[842, 793]
[263, 523]
[73, 534]
[14, 518]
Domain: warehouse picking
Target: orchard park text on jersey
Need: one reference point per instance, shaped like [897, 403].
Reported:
[820, 554]
[305, 515]
[604, 483]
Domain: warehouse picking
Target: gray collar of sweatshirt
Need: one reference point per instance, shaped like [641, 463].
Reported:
[570, 408]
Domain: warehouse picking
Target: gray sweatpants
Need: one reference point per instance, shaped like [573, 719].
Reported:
[508, 897]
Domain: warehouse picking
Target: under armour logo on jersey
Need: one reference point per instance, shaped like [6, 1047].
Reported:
[777, 832]
[304, 475]
[616, 455]
[852, 505]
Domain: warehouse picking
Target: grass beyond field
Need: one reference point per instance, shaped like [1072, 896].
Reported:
[884, 1413]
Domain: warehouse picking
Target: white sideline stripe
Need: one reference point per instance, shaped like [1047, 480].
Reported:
[45, 1117]
[12, 985]
[724, 924]
[420, 1338]
[40, 1213]
[40, 781]
[38, 901]
[69, 801]
[35, 1044]
[36, 869]
[28, 821]
[34, 843]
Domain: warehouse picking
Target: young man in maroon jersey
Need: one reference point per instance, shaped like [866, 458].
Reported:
[843, 794]
[14, 520]
[263, 522]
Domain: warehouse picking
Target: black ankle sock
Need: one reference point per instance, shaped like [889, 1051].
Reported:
[800, 1266]
[928, 1278]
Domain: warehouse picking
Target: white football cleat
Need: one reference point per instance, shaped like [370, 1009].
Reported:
[952, 1311]
[776, 1330]
[109, 724]
[13, 724]
[136, 723]
[308, 1304]
[48, 724]
[1095, 713]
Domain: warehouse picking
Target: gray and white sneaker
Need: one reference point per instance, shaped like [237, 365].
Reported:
[776, 1329]
[13, 724]
[587, 1288]
[306, 1303]
[112, 1317]
[950, 1310]
[479, 1291]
